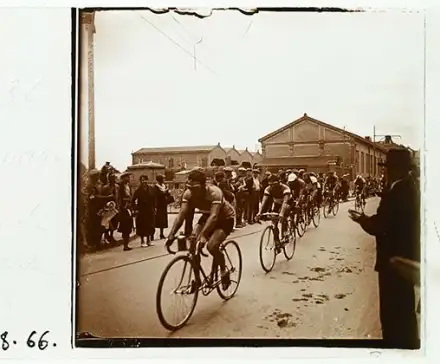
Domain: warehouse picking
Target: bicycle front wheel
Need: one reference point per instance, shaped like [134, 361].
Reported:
[335, 208]
[300, 223]
[290, 246]
[326, 207]
[177, 284]
[267, 249]
[233, 261]
[316, 216]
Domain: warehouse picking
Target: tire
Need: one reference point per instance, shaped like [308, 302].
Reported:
[290, 247]
[335, 208]
[325, 210]
[160, 314]
[267, 268]
[300, 225]
[316, 216]
[238, 269]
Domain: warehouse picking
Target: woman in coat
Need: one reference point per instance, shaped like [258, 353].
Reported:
[143, 203]
[162, 199]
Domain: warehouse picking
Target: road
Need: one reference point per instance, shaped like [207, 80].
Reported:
[328, 290]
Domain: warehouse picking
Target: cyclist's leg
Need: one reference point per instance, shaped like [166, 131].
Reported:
[221, 232]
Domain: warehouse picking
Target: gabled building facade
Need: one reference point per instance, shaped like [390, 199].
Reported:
[319, 147]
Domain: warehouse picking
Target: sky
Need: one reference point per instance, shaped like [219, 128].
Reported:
[255, 74]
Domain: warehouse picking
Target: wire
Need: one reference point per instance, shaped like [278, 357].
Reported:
[178, 45]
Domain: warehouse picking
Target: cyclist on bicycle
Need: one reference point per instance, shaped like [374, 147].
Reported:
[312, 186]
[360, 185]
[217, 220]
[281, 195]
[331, 183]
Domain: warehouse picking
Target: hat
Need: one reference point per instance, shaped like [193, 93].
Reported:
[256, 170]
[125, 174]
[196, 177]
[249, 170]
[273, 178]
[219, 174]
[228, 169]
[292, 177]
[398, 158]
[242, 169]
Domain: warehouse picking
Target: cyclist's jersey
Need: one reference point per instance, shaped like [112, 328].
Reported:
[296, 187]
[278, 192]
[213, 195]
[311, 183]
[359, 183]
[331, 182]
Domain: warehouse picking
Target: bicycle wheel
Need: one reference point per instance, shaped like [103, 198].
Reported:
[290, 246]
[326, 207]
[184, 287]
[335, 208]
[300, 223]
[316, 216]
[231, 251]
[267, 249]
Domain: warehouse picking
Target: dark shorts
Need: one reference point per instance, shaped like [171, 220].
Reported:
[227, 225]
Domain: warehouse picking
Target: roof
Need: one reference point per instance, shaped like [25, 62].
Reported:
[191, 149]
[149, 165]
[257, 152]
[329, 126]
[241, 151]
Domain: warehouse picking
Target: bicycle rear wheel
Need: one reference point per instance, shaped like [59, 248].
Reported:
[290, 246]
[185, 287]
[267, 249]
[231, 252]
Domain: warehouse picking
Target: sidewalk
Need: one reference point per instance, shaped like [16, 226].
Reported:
[135, 240]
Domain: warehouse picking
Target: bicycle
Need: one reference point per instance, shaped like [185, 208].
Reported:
[313, 213]
[359, 205]
[331, 205]
[198, 280]
[286, 242]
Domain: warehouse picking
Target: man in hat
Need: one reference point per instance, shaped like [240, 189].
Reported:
[396, 226]
[240, 197]
[255, 195]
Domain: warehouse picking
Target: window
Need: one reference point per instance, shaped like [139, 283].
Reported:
[170, 163]
[362, 162]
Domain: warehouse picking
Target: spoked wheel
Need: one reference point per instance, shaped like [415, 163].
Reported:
[335, 208]
[178, 285]
[300, 223]
[232, 253]
[316, 216]
[290, 246]
[327, 207]
[267, 249]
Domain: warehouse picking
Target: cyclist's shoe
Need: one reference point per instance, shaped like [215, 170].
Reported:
[226, 280]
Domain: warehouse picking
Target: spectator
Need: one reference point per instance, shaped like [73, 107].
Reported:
[264, 184]
[396, 226]
[240, 197]
[96, 202]
[249, 182]
[256, 193]
[143, 205]
[125, 214]
[162, 199]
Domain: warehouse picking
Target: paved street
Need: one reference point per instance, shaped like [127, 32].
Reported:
[328, 289]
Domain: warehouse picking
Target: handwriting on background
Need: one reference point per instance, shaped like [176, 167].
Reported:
[18, 93]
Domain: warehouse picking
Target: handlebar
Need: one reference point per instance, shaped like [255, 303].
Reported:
[271, 215]
[198, 250]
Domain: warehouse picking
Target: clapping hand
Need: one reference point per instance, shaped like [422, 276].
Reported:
[354, 215]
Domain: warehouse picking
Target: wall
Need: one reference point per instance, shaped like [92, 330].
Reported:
[191, 159]
[234, 155]
[366, 167]
[218, 153]
[246, 157]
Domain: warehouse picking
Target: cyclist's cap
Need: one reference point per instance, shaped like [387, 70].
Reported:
[292, 177]
[196, 177]
[295, 171]
[288, 171]
[312, 174]
[301, 171]
[273, 178]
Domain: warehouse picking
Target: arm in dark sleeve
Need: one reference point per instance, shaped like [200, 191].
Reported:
[377, 224]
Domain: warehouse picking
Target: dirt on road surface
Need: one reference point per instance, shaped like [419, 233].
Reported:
[328, 290]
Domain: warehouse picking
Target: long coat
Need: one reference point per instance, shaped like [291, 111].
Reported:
[162, 198]
[143, 204]
[125, 215]
[396, 227]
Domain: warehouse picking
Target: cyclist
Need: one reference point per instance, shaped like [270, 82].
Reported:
[281, 195]
[296, 185]
[330, 183]
[360, 185]
[312, 186]
[217, 220]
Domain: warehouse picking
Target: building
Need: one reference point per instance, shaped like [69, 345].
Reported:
[178, 158]
[232, 156]
[257, 157]
[246, 158]
[319, 147]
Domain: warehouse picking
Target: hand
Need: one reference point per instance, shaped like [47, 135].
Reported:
[257, 217]
[202, 240]
[169, 241]
[354, 215]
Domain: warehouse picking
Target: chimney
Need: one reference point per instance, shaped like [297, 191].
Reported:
[388, 139]
[368, 139]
